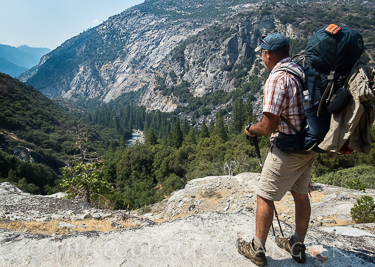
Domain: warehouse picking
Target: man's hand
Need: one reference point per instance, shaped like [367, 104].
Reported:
[267, 125]
[247, 132]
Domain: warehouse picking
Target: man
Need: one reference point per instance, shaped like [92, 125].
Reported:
[282, 171]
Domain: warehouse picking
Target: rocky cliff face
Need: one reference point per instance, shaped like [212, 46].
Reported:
[121, 54]
[171, 50]
[127, 53]
[200, 228]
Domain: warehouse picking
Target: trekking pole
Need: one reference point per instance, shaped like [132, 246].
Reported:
[281, 229]
[254, 141]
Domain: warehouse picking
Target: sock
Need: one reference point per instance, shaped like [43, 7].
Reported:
[259, 243]
[298, 238]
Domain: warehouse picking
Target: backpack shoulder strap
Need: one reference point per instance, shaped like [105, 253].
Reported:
[294, 71]
[329, 89]
[300, 75]
[289, 124]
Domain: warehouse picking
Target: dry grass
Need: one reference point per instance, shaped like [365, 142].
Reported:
[211, 193]
[52, 227]
[316, 196]
[213, 199]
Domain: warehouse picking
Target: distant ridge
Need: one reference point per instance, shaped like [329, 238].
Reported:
[10, 68]
[15, 60]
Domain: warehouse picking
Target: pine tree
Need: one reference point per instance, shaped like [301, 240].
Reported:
[211, 127]
[220, 130]
[204, 131]
[178, 136]
[170, 139]
[151, 137]
[249, 109]
[112, 148]
[145, 127]
[185, 127]
[190, 137]
[238, 118]
[122, 142]
[116, 125]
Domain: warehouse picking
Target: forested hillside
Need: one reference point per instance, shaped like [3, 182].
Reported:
[38, 122]
[29, 119]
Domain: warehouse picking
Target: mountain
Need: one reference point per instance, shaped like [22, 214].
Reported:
[15, 60]
[10, 68]
[178, 53]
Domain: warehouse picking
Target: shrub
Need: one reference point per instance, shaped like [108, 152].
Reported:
[363, 210]
[145, 209]
[357, 184]
[85, 180]
[344, 177]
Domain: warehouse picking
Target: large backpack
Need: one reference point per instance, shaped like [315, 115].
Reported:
[327, 61]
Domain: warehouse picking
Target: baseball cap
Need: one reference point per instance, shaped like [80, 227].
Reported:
[272, 42]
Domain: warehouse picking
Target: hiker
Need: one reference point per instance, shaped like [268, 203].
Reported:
[282, 171]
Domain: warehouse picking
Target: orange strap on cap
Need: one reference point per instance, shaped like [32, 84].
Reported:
[333, 29]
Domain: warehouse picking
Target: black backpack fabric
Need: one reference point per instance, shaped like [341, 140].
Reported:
[328, 58]
[336, 51]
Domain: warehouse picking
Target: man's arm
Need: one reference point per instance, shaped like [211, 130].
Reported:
[267, 125]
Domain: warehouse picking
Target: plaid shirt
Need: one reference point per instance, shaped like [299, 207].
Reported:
[283, 96]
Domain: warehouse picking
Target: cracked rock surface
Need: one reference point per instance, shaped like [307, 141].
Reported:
[200, 226]
[16, 205]
[201, 240]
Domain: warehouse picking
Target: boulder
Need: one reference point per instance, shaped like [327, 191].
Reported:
[28, 155]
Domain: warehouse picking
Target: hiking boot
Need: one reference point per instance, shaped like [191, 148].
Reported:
[296, 249]
[247, 249]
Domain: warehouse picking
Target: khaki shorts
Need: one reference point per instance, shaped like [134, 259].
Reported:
[283, 172]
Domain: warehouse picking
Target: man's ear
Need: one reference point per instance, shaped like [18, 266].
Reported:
[268, 54]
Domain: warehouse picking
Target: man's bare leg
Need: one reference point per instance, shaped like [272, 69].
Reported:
[264, 217]
[302, 215]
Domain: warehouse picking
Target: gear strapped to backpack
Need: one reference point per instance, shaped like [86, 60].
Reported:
[328, 59]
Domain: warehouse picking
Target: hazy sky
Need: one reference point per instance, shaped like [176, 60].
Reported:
[48, 23]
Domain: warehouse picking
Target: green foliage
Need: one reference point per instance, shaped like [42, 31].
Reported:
[297, 45]
[33, 178]
[116, 120]
[134, 177]
[86, 180]
[239, 117]
[145, 174]
[190, 138]
[189, 10]
[181, 90]
[185, 127]
[39, 122]
[177, 136]
[357, 184]
[144, 210]
[359, 176]
[151, 137]
[172, 183]
[220, 130]
[204, 131]
[364, 210]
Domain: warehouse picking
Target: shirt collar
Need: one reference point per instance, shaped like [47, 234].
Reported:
[285, 60]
